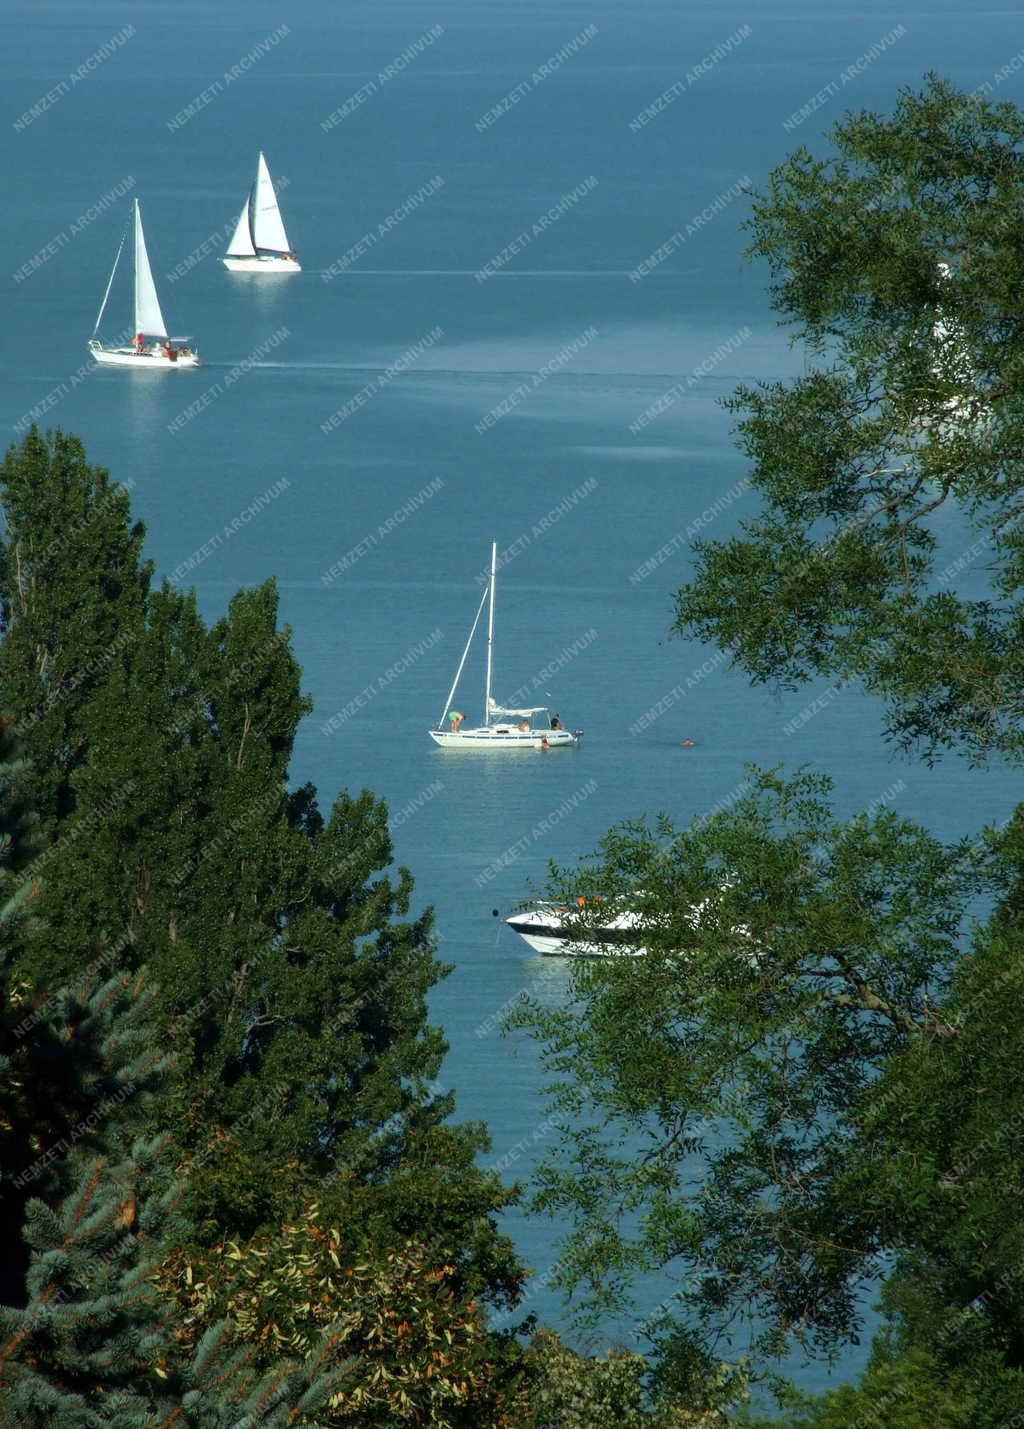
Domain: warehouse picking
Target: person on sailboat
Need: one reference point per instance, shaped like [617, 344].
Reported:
[456, 719]
[556, 723]
[140, 338]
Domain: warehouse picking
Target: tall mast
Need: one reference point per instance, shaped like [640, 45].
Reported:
[136, 220]
[137, 323]
[490, 633]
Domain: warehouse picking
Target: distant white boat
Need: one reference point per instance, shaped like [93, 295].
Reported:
[259, 243]
[502, 728]
[151, 346]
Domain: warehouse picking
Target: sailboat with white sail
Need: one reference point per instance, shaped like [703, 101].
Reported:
[259, 243]
[502, 728]
[152, 347]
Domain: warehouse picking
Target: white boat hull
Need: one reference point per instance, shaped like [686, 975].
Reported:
[546, 928]
[270, 263]
[128, 357]
[543, 930]
[502, 737]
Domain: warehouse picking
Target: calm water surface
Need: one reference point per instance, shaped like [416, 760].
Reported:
[583, 500]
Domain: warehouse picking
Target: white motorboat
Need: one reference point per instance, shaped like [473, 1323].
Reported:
[502, 728]
[595, 928]
[259, 243]
[152, 348]
[549, 928]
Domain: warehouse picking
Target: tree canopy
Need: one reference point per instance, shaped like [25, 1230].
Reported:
[802, 1090]
[896, 262]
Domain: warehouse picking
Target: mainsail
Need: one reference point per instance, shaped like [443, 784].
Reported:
[241, 244]
[267, 227]
[148, 317]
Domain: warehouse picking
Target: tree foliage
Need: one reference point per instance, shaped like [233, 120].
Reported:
[757, 1029]
[417, 1345]
[88, 1338]
[815, 1054]
[567, 1390]
[291, 969]
[911, 416]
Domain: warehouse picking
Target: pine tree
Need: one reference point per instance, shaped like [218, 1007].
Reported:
[86, 1337]
[292, 977]
[36, 1102]
[74, 597]
[19, 835]
[94, 1341]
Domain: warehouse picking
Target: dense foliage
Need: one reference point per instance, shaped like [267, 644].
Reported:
[87, 1203]
[896, 262]
[817, 1052]
[417, 1345]
[287, 1011]
[291, 976]
[230, 1189]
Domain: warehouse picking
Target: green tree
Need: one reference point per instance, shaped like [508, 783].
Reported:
[571, 1391]
[859, 461]
[815, 1053]
[85, 1335]
[74, 589]
[757, 1029]
[89, 1339]
[292, 976]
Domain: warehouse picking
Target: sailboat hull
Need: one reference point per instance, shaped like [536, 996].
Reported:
[490, 737]
[128, 357]
[269, 263]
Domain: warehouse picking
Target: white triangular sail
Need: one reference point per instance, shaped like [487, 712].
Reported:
[148, 317]
[241, 245]
[267, 226]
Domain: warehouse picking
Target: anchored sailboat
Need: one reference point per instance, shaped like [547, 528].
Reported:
[151, 346]
[259, 243]
[502, 728]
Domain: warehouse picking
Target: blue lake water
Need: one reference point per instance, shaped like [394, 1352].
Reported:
[411, 487]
